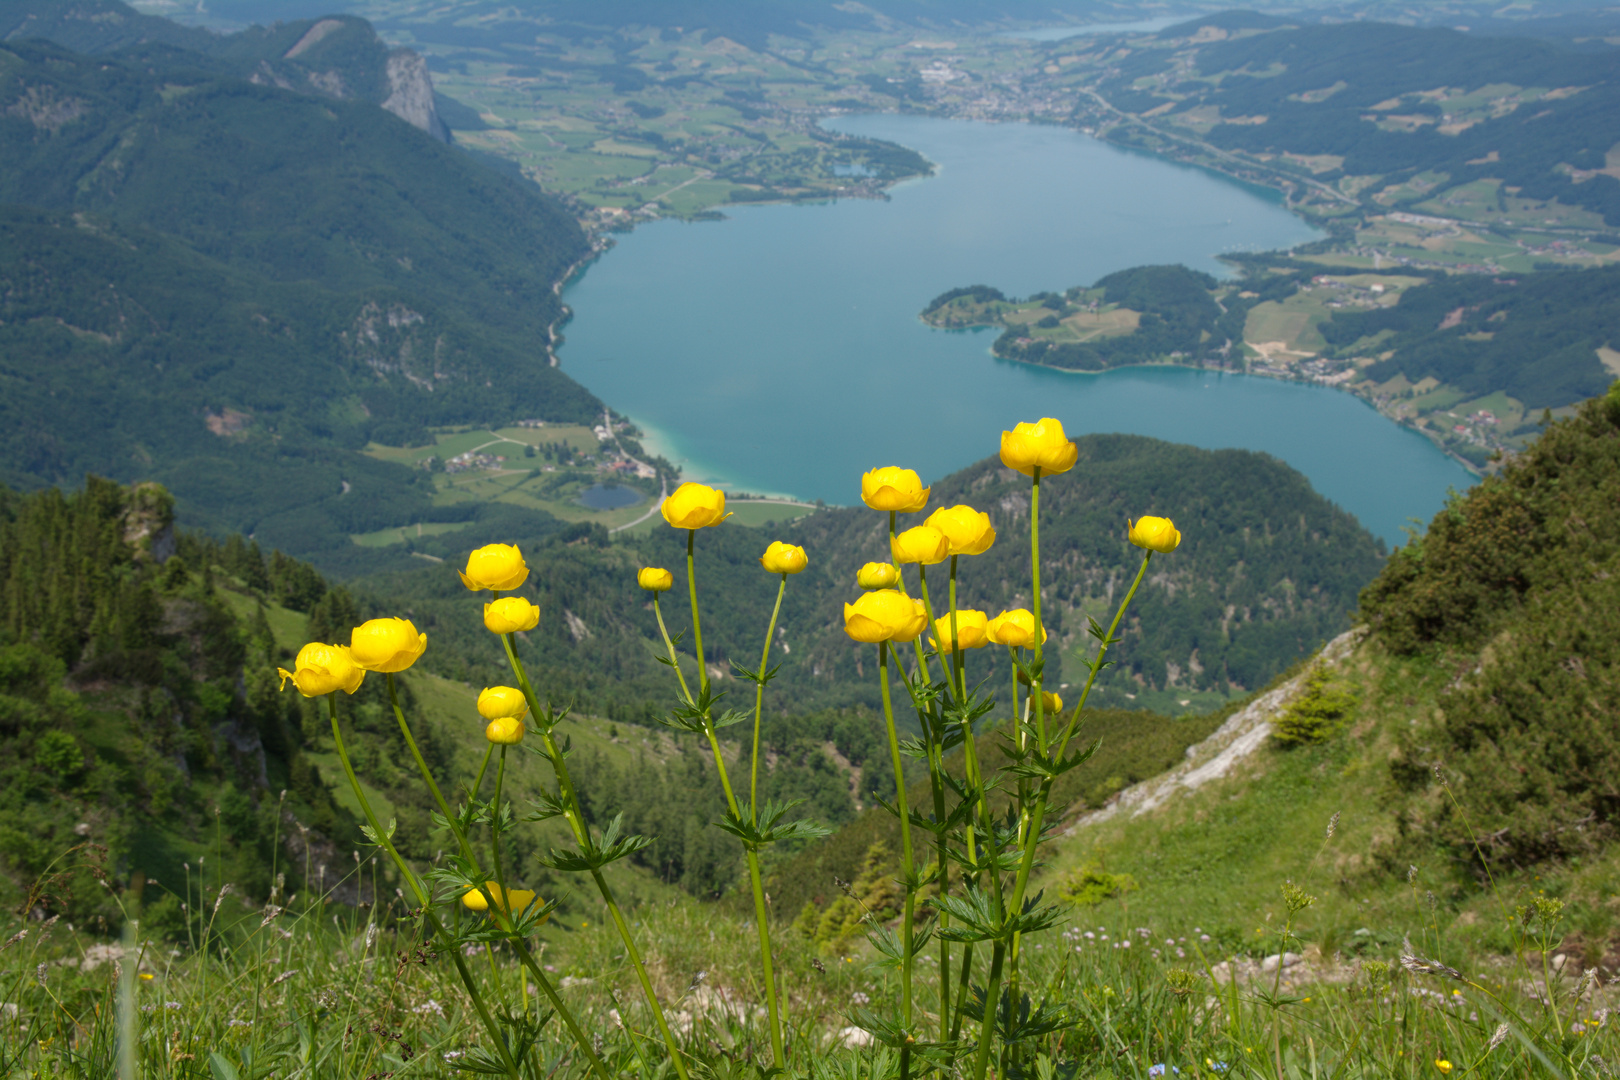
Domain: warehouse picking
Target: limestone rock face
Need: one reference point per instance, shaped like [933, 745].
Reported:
[410, 93]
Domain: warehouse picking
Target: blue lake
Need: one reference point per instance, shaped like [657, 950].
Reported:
[780, 350]
[609, 497]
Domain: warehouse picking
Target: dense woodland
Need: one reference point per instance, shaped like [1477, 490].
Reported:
[218, 231]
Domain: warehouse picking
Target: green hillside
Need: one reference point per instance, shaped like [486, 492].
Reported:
[248, 285]
[1209, 633]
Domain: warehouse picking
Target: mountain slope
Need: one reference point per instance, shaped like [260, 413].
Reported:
[1268, 570]
[249, 284]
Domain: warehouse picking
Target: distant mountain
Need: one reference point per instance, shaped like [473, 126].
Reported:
[243, 285]
[335, 56]
[1392, 101]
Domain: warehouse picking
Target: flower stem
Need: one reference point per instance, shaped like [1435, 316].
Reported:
[759, 708]
[576, 822]
[426, 903]
[674, 659]
[907, 865]
[427, 775]
[697, 624]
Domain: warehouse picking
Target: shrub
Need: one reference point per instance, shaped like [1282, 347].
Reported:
[1315, 714]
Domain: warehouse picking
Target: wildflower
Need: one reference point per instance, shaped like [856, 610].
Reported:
[877, 575]
[496, 702]
[495, 566]
[695, 506]
[1442, 1064]
[923, 544]
[968, 530]
[970, 627]
[508, 901]
[387, 645]
[1295, 898]
[510, 614]
[894, 488]
[323, 669]
[1041, 445]
[1052, 703]
[1155, 534]
[1015, 628]
[782, 558]
[858, 998]
[884, 615]
[1161, 1069]
[147, 976]
[505, 731]
[655, 579]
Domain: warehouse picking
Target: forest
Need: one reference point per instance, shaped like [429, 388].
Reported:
[220, 229]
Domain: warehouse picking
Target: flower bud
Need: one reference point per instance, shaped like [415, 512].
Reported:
[884, 615]
[924, 544]
[499, 701]
[894, 488]
[1015, 628]
[505, 731]
[322, 669]
[877, 575]
[655, 580]
[1154, 534]
[968, 530]
[1052, 703]
[495, 566]
[782, 558]
[695, 506]
[970, 627]
[387, 645]
[1041, 445]
[510, 614]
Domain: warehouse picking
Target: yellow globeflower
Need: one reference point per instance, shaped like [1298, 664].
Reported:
[1155, 534]
[1041, 444]
[655, 580]
[322, 669]
[1442, 1064]
[884, 615]
[505, 731]
[877, 575]
[498, 701]
[1015, 628]
[968, 530]
[511, 900]
[923, 544]
[1052, 702]
[894, 488]
[387, 645]
[970, 627]
[495, 566]
[510, 614]
[695, 506]
[782, 558]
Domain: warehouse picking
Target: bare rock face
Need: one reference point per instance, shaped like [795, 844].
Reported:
[410, 93]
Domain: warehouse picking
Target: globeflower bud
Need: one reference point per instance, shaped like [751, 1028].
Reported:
[498, 701]
[1015, 628]
[884, 615]
[782, 558]
[1154, 534]
[968, 530]
[1039, 445]
[495, 566]
[655, 580]
[510, 614]
[1053, 703]
[924, 544]
[505, 731]
[517, 900]
[877, 575]
[894, 488]
[695, 506]
[970, 626]
[322, 669]
[387, 645]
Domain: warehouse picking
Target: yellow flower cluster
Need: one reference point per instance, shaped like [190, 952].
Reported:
[381, 645]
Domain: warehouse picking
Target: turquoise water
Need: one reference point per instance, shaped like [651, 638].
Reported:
[780, 350]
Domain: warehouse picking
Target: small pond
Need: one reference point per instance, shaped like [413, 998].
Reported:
[610, 497]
